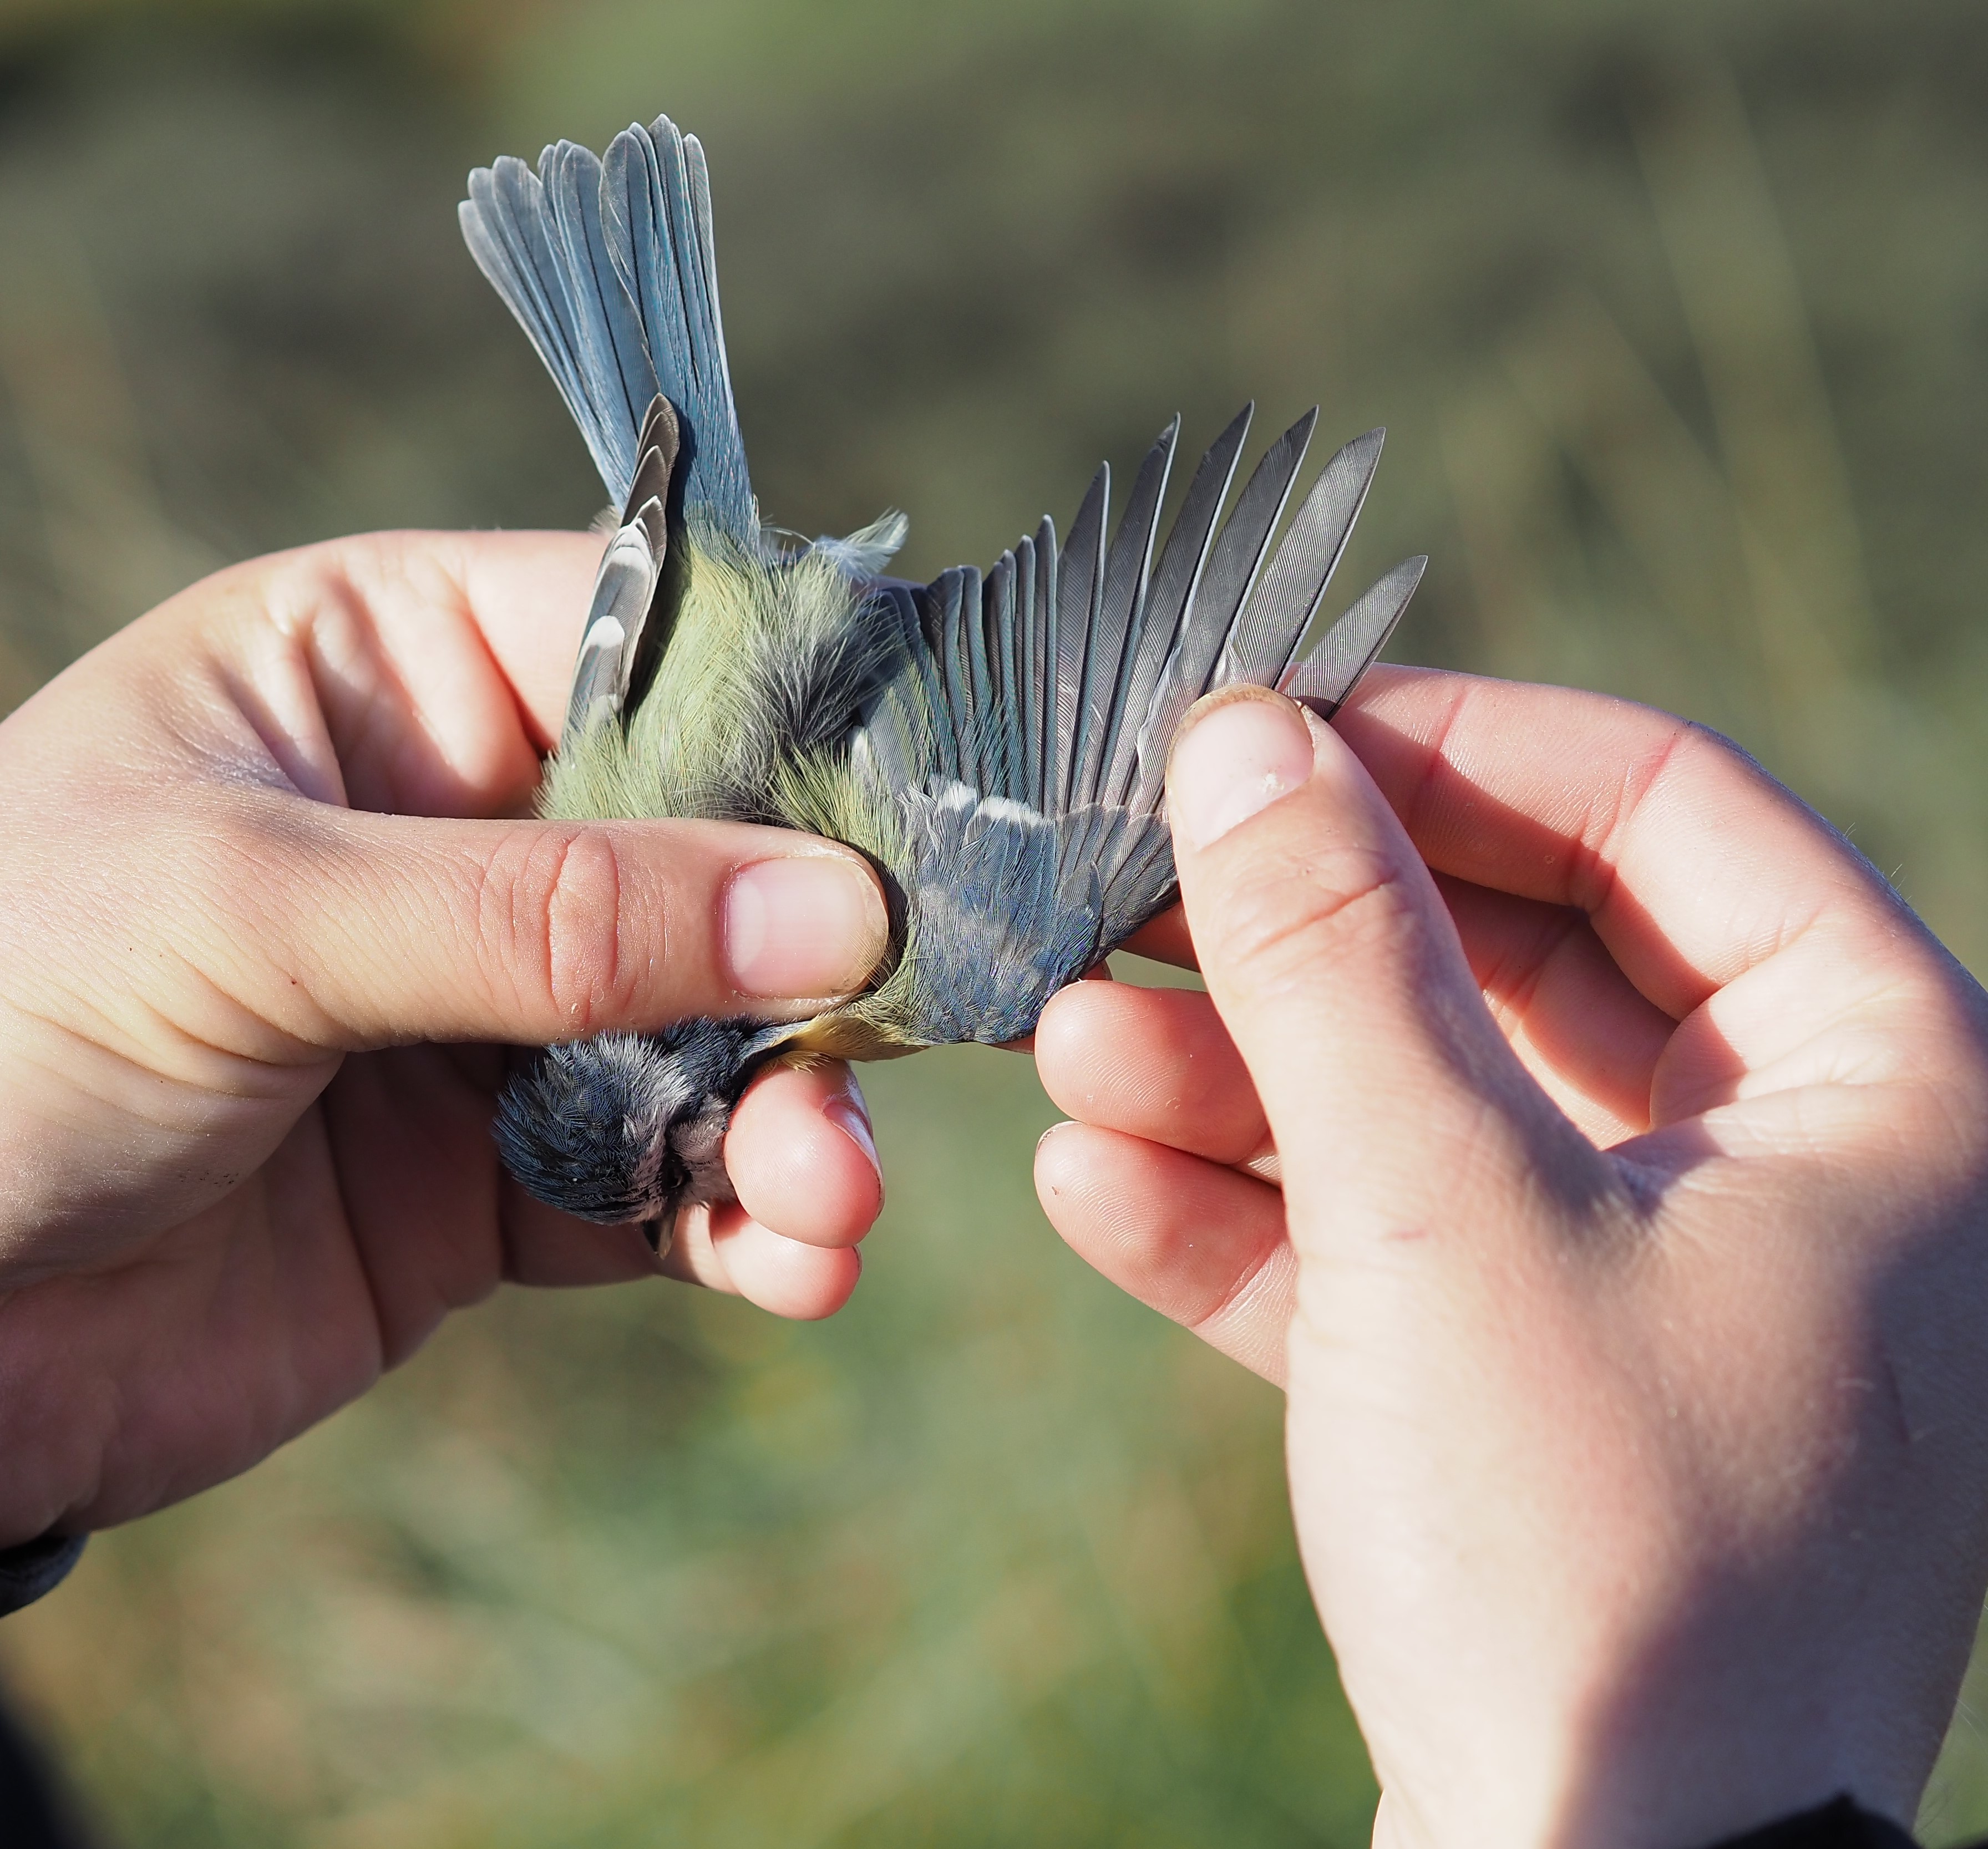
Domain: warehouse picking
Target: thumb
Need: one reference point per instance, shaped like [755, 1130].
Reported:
[1336, 970]
[366, 930]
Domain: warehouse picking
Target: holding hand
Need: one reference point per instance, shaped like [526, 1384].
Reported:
[233, 1185]
[1613, 1201]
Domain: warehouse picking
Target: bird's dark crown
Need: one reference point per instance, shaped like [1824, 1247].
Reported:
[628, 1127]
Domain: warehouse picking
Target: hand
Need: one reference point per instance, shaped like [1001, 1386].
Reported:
[246, 1161]
[1611, 1193]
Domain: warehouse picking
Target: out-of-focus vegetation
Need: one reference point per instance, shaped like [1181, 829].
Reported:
[1678, 314]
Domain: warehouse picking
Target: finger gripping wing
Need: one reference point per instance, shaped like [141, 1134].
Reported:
[1058, 680]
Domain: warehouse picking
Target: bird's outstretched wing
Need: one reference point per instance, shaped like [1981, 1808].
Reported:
[610, 267]
[1056, 682]
[1325, 678]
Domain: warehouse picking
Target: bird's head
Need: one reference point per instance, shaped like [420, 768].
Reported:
[630, 1126]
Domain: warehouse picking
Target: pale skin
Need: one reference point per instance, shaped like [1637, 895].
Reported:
[1612, 1203]
[252, 994]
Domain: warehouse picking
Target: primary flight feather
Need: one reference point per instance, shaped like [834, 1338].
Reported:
[995, 743]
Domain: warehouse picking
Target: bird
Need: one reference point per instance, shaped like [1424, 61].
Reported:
[994, 743]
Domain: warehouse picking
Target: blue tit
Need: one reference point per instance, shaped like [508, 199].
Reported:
[995, 743]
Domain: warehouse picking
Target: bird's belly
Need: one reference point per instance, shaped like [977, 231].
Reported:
[851, 1035]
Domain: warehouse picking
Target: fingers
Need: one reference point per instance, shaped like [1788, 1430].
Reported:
[1576, 1023]
[416, 674]
[428, 604]
[1339, 975]
[1148, 1186]
[388, 672]
[801, 1155]
[351, 929]
[1165, 940]
[724, 1249]
[1158, 1066]
[528, 593]
[1693, 863]
[1724, 900]
[1152, 1063]
[1692, 866]
[275, 693]
[1200, 1243]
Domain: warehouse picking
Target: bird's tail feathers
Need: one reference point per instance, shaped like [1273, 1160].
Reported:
[610, 267]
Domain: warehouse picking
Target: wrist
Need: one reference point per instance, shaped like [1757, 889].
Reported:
[1838, 1823]
[1673, 1763]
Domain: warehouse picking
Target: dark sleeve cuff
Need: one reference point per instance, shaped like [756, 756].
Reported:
[1841, 1824]
[33, 1568]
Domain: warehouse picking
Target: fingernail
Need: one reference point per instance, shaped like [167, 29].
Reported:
[806, 925]
[849, 1113]
[1243, 751]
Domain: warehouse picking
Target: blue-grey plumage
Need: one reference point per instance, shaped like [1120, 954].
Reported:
[618, 1128]
[995, 744]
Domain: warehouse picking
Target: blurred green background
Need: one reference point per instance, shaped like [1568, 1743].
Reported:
[1678, 314]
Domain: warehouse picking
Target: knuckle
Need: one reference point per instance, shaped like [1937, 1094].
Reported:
[240, 858]
[564, 903]
[1262, 1274]
[1278, 925]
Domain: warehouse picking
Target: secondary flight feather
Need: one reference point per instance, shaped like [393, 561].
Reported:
[995, 742]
